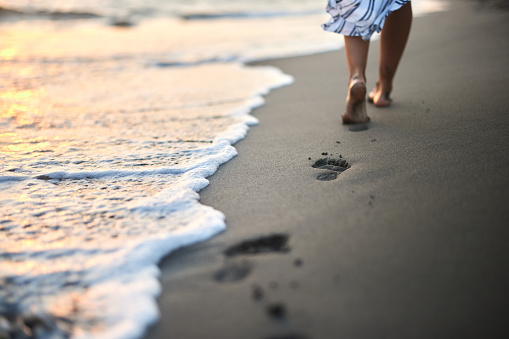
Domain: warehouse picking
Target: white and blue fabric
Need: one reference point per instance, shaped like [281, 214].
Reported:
[359, 17]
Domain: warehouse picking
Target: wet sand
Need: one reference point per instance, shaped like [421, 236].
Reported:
[402, 232]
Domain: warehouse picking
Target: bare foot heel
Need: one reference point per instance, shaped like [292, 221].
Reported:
[355, 112]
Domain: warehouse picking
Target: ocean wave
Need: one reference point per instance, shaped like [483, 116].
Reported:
[7, 14]
[244, 15]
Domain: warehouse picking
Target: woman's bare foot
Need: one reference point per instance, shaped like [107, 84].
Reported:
[379, 96]
[355, 112]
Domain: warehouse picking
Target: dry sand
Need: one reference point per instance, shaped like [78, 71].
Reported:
[409, 242]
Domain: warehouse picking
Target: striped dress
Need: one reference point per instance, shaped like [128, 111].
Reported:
[359, 17]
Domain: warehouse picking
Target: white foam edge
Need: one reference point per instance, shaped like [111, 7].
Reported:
[6, 178]
[141, 289]
[136, 283]
[127, 302]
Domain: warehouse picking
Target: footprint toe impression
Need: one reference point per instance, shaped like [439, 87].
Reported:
[334, 167]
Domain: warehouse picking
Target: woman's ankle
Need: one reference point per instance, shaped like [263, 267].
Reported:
[380, 95]
[355, 78]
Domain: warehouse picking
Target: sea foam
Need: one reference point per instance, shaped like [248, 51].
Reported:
[88, 212]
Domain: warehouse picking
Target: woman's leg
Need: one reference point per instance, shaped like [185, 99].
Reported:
[392, 44]
[356, 59]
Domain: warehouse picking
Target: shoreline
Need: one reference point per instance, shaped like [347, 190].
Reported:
[409, 241]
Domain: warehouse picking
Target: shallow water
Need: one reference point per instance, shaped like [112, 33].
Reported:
[101, 160]
[106, 135]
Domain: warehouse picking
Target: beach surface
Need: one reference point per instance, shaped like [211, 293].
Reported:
[405, 238]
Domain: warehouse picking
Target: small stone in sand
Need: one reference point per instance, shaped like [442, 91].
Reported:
[276, 311]
[257, 293]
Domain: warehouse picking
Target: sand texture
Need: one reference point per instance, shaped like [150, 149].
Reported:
[396, 231]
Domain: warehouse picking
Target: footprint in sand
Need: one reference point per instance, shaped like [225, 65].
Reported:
[334, 167]
[237, 269]
[267, 244]
[234, 271]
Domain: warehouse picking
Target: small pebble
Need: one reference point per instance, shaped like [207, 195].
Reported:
[257, 293]
[276, 311]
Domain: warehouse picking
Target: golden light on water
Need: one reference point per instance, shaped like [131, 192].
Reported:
[21, 105]
[20, 108]
[25, 147]
[7, 53]
[19, 95]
